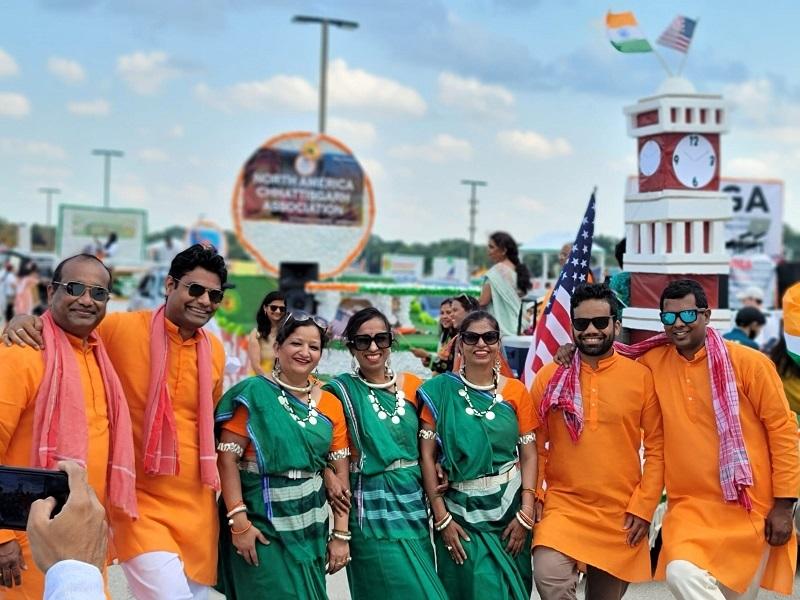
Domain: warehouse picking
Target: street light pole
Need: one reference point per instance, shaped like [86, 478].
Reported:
[107, 156]
[323, 58]
[473, 211]
[49, 192]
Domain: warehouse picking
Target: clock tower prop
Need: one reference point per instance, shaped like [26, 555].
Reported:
[674, 224]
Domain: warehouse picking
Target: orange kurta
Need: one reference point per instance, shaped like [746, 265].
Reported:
[21, 372]
[177, 513]
[699, 526]
[591, 484]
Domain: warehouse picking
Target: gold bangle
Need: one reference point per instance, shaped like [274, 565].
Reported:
[241, 531]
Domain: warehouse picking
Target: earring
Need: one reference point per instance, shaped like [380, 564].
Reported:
[276, 368]
[315, 373]
[353, 365]
[497, 367]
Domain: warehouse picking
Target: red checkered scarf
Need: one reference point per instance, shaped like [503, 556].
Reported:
[563, 393]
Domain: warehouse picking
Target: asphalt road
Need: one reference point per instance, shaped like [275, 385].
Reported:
[337, 589]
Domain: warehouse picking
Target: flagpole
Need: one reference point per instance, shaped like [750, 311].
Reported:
[661, 59]
[685, 56]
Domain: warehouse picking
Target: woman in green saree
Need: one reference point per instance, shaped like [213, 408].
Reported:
[480, 425]
[391, 547]
[277, 434]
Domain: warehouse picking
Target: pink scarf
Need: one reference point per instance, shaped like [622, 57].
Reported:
[563, 392]
[60, 431]
[160, 435]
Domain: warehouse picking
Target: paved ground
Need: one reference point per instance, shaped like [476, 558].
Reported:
[337, 590]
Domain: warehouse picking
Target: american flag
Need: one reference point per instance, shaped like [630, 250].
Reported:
[679, 34]
[553, 329]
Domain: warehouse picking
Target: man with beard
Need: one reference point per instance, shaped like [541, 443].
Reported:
[598, 501]
[171, 370]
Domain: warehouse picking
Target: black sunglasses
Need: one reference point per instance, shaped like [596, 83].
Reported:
[688, 316]
[599, 323]
[196, 290]
[363, 341]
[75, 288]
[470, 338]
[276, 309]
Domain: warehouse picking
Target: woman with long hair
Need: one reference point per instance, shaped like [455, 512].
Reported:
[445, 334]
[391, 547]
[506, 282]
[277, 434]
[480, 426]
[460, 307]
[28, 297]
[261, 340]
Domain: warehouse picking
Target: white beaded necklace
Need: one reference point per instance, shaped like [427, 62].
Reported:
[470, 409]
[311, 417]
[399, 395]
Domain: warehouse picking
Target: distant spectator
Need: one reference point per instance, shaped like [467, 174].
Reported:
[752, 296]
[749, 321]
[8, 289]
[27, 297]
[620, 283]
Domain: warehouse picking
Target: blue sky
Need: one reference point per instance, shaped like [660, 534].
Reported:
[527, 95]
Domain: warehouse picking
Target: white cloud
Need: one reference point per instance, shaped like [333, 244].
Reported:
[533, 144]
[153, 155]
[356, 88]
[14, 105]
[473, 96]
[68, 71]
[45, 173]
[8, 66]
[358, 133]
[17, 147]
[758, 105]
[373, 168]
[442, 148]
[90, 108]
[528, 203]
[278, 92]
[146, 72]
[746, 166]
[176, 131]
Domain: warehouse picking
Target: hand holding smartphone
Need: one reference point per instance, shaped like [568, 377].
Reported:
[20, 487]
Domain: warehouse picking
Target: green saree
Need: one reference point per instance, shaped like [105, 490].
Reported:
[391, 548]
[472, 449]
[288, 507]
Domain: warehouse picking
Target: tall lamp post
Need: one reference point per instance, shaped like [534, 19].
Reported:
[107, 155]
[323, 56]
[49, 192]
[473, 210]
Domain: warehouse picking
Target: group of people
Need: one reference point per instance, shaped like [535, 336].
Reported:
[19, 291]
[470, 484]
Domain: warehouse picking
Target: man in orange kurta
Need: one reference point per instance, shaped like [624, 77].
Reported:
[712, 548]
[21, 373]
[598, 501]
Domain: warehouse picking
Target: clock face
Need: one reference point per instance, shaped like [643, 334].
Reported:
[694, 161]
[649, 158]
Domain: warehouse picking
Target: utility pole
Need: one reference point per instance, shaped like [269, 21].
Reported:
[49, 192]
[323, 56]
[107, 155]
[473, 211]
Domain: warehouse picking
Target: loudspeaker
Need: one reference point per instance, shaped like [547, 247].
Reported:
[292, 280]
[788, 275]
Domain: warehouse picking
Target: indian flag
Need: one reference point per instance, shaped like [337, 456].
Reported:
[624, 33]
[791, 321]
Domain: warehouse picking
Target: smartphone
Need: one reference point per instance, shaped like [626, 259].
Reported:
[20, 487]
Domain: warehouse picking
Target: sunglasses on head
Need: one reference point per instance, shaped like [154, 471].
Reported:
[599, 323]
[75, 288]
[363, 341]
[196, 290]
[470, 338]
[276, 309]
[688, 316]
[301, 316]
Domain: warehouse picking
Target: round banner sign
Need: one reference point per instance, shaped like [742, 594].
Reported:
[303, 198]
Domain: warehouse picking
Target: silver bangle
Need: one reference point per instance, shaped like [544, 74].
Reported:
[528, 438]
[443, 523]
[231, 447]
[427, 434]
[339, 454]
[342, 536]
[522, 522]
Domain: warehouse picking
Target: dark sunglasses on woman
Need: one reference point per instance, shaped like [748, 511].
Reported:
[74, 288]
[363, 341]
[276, 308]
[470, 338]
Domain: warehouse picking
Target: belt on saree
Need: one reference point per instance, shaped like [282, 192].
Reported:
[251, 466]
[393, 466]
[482, 483]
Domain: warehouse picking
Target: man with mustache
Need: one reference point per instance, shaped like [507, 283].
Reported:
[171, 370]
[598, 501]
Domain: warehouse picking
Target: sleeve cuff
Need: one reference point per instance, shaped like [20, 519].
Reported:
[73, 579]
[7, 535]
[642, 508]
